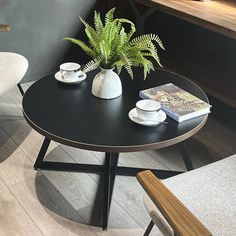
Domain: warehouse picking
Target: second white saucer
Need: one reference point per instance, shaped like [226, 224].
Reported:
[160, 117]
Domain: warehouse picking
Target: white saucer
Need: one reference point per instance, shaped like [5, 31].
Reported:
[160, 117]
[78, 80]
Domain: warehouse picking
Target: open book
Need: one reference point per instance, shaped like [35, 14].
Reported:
[176, 102]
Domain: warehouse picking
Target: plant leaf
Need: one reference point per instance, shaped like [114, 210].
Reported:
[111, 43]
[109, 16]
[83, 45]
[98, 24]
[92, 65]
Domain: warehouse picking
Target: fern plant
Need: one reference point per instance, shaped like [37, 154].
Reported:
[112, 44]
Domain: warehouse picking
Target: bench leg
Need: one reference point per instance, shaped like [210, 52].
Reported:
[21, 89]
[149, 228]
[186, 158]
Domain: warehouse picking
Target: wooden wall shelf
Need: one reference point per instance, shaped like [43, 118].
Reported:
[5, 28]
[218, 16]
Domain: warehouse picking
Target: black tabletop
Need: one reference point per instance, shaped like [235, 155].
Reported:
[71, 115]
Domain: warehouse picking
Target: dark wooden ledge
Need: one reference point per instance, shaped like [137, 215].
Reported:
[218, 16]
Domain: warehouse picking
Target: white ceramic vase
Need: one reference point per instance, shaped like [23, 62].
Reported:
[106, 84]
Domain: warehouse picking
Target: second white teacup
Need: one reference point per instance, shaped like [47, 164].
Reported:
[147, 109]
[70, 70]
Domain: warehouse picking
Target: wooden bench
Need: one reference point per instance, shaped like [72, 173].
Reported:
[185, 202]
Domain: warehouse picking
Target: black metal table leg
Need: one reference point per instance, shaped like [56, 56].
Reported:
[42, 153]
[114, 162]
[107, 179]
[187, 161]
[111, 160]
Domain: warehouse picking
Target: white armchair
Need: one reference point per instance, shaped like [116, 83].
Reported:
[13, 67]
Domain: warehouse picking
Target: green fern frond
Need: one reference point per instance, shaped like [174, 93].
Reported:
[107, 32]
[111, 44]
[104, 50]
[145, 39]
[92, 65]
[151, 51]
[132, 27]
[145, 68]
[112, 34]
[119, 65]
[119, 68]
[83, 45]
[121, 41]
[127, 64]
[131, 33]
[118, 24]
[98, 23]
[158, 40]
[129, 70]
[84, 22]
[92, 36]
[109, 16]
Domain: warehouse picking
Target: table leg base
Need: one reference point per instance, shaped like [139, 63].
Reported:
[132, 171]
[99, 169]
[71, 167]
[109, 171]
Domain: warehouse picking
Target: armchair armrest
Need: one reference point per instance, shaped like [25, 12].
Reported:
[182, 221]
[5, 28]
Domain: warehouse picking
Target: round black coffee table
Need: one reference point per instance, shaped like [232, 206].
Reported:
[71, 115]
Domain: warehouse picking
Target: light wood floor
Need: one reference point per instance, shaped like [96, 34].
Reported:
[56, 203]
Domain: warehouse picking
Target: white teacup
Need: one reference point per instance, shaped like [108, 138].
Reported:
[147, 109]
[70, 70]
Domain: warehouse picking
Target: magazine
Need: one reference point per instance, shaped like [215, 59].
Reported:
[176, 102]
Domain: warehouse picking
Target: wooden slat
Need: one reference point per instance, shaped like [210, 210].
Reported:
[183, 222]
[218, 16]
[5, 28]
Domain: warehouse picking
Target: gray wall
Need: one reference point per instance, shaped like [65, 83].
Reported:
[38, 27]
